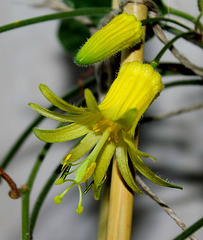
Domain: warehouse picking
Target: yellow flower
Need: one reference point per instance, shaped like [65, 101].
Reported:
[122, 32]
[107, 129]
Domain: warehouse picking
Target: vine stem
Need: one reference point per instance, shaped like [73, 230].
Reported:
[54, 16]
[41, 197]
[166, 208]
[170, 10]
[193, 228]
[158, 19]
[181, 14]
[25, 193]
[158, 57]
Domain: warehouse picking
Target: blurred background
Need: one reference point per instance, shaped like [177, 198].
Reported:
[32, 55]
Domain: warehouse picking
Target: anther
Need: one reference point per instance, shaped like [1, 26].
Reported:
[66, 160]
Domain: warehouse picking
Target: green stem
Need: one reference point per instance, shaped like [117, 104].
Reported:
[158, 19]
[184, 83]
[176, 12]
[26, 193]
[182, 14]
[25, 216]
[189, 231]
[54, 16]
[41, 198]
[197, 40]
[7, 159]
[156, 60]
[27, 228]
[198, 23]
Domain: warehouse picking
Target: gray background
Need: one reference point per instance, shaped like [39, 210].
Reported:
[32, 55]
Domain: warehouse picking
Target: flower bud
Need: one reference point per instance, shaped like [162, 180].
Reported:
[122, 32]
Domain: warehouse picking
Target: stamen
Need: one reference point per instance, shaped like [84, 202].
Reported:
[100, 144]
[103, 125]
[79, 209]
[66, 160]
[97, 130]
[111, 129]
[66, 171]
[68, 157]
[89, 172]
[58, 198]
[95, 127]
[88, 187]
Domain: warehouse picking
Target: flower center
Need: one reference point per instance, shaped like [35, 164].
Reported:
[102, 125]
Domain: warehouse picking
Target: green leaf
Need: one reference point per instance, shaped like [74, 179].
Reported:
[72, 35]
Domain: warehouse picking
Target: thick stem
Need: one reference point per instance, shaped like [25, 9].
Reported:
[121, 198]
[141, 12]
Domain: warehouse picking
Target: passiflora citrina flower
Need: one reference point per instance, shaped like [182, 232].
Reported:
[107, 129]
[122, 32]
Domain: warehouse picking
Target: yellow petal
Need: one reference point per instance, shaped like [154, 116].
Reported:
[136, 86]
[122, 32]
